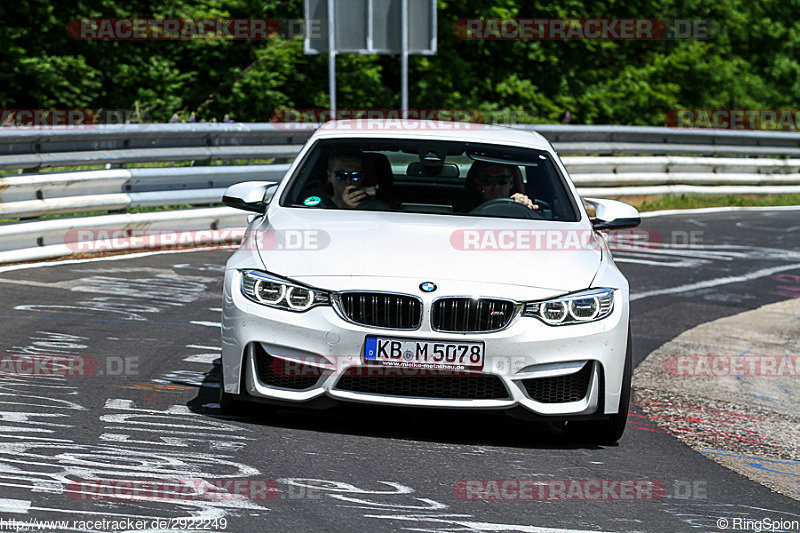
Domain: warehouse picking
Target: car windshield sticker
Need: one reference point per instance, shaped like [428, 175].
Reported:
[312, 200]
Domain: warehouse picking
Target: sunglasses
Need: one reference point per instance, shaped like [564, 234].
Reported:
[505, 179]
[346, 175]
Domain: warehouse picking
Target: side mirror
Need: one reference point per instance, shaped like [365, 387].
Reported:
[250, 195]
[611, 214]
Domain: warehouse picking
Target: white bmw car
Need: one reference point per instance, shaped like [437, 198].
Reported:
[429, 264]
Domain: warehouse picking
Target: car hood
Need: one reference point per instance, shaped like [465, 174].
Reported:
[307, 244]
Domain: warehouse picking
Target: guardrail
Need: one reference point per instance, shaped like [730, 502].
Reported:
[612, 140]
[668, 165]
[35, 148]
[649, 176]
[59, 237]
[31, 195]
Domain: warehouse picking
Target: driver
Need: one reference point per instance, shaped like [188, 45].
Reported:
[488, 181]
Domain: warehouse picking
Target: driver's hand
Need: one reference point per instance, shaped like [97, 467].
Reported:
[524, 200]
[352, 196]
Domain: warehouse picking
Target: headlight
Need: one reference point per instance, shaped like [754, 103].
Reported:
[272, 291]
[586, 306]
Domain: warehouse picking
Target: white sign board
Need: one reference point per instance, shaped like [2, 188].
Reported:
[370, 26]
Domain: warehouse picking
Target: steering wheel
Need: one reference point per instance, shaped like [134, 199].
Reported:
[542, 204]
[506, 207]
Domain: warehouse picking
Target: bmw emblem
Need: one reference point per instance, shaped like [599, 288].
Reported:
[428, 286]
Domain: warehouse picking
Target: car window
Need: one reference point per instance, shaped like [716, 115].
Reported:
[433, 177]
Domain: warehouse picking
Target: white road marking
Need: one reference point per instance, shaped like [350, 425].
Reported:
[202, 347]
[114, 437]
[693, 255]
[703, 210]
[167, 290]
[193, 434]
[472, 525]
[208, 513]
[644, 262]
[8, 505]
[111, 258]
[128, 405]
[340, 486]
[715, 282]
[204, 323]
[28, 437]
[56, 285]
[202, 358]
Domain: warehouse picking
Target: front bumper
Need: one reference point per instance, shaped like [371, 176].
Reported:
[527, 349]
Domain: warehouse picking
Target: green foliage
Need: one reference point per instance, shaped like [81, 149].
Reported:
[694, 201]
[749, 63]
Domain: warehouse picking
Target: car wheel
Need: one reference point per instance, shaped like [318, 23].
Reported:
[609, 431]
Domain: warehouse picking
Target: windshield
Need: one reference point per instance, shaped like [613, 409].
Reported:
[423, 176]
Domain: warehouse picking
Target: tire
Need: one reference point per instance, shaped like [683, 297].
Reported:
[609, 431]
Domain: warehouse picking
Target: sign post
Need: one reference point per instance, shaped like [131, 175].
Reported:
[331, 54]
[370, 27]
[404, 58]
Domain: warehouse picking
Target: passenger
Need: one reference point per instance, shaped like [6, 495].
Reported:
[488, 181]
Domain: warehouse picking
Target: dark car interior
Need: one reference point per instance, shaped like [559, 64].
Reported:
[422, 176]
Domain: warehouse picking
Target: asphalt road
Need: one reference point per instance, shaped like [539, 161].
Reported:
[141, 405]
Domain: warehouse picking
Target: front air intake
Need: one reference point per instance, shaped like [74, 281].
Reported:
[442, 386]
[560, 389]
[284, 373]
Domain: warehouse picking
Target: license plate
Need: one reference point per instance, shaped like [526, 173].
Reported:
[424, 354]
